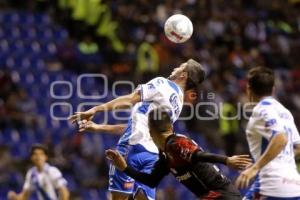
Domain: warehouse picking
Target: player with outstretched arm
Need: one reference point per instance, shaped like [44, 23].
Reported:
[185, 160]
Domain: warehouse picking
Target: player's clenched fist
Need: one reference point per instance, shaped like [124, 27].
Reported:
[116, 158]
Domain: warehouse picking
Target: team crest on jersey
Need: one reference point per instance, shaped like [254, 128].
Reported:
[270, 122]
[151, 86]
[174, 102]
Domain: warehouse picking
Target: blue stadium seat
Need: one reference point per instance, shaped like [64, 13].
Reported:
[11, 136]
[15, 32]
[34, 46]
[4, 45]
[8, 17]
[46, 33]
[40, 135]
[37, 63]
[17, 46]
[10, 62]
[72, 186]
[40, 18]
[20, 150]
[60, 34]
[91, 194]
[28, 18]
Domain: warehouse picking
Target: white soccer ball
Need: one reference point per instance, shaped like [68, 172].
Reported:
[178, 28]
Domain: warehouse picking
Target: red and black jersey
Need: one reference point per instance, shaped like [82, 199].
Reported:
[192, 167]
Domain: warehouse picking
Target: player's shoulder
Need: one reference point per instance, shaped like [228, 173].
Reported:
[52, 170]
[270, 107]
[263, 104]
[159, 80]
[156, 82]
[264, 107]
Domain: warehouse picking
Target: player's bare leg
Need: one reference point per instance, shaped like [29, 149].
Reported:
[140, 196]
[118, 196]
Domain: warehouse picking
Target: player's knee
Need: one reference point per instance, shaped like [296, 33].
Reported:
[118, 196]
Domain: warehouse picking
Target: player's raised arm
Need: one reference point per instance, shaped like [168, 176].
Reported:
[116, 129]
[158, 172]
[121, 102]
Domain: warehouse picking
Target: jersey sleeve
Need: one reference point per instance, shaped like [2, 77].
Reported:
[28, 183]
[269, 123]
[150, 90]
[57, 178]
[201, 156]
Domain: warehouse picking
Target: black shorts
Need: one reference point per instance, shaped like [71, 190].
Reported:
[228, 192]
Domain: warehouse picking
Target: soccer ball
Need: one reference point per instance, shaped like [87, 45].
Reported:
[178, 28]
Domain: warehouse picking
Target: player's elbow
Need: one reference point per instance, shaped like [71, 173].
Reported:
[121, 128]
[64, 193]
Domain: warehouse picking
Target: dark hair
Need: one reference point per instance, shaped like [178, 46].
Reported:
[196, 74]
[38, 146]
[159, 120]
[261, 81]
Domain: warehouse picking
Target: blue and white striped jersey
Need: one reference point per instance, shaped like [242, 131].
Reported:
[45, 182]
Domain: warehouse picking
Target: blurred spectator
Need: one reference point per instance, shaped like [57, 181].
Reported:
[67, 54]
[147, 61]
[229, 124]
[6, 165]
[6, 84]
[21, 110]
[89, 57]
